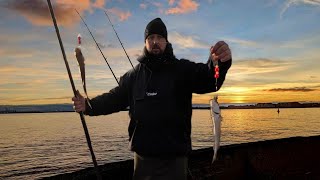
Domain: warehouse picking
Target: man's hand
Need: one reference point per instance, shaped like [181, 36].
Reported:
[220, 51]
[79, 103]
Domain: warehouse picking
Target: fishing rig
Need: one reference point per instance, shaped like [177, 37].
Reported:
[74, 91]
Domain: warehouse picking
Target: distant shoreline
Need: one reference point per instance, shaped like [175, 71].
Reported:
[197, 108]
[35, 112]
[252, 107]
[53, 108]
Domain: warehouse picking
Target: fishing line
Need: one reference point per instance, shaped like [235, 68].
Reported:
[119, 39]
[98, 46]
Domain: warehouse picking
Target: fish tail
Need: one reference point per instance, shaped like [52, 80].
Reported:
[84, 86]
[89, 103]
[85, 91]
[88, 99]
[214, 157]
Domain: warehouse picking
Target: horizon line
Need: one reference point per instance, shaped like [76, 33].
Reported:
[192, 103]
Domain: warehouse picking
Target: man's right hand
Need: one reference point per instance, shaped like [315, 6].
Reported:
[79, 103]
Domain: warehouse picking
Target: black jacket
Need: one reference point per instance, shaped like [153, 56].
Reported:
[159, 95]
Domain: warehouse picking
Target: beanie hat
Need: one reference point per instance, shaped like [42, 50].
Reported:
[156, 26]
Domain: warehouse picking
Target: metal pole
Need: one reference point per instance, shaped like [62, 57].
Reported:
[74, 91]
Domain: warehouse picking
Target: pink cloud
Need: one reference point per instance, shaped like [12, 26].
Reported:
[157, 4]
[184, 6]
[143, 6]
[171, 2]
[122, 15]
[99, 4]
[37, 12]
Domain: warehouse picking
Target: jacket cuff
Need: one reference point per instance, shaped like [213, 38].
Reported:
[226, 64]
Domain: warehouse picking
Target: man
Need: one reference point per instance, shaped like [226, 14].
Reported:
[159, 93]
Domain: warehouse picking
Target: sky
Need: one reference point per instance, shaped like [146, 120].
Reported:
[275, 46]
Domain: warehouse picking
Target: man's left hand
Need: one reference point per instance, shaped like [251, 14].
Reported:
[220, 51]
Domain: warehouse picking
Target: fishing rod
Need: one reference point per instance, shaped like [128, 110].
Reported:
[119, 38]
[98, 46]
[74, 92]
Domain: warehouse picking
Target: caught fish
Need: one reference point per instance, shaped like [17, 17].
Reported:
[81, 64]
[216, 119]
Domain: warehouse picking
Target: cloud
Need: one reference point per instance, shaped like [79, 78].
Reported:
[289, 3]
[122, 15]
[143, 6]
[187, 41]
[99, 4]
[37, 12]
[156, 4]
[270, 73]
[15, 53]
[298, 43]
[43, 99]
[171, 2]
[294, 89]
[102, 46]
[30, 72]
[184, 7]
[242, 42]
[259, 66]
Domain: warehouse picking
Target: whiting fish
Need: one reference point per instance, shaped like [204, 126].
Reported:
[216, 119]
[81, 64]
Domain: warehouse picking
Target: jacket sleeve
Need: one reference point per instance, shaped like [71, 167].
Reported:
[115, 100]
[202, 79]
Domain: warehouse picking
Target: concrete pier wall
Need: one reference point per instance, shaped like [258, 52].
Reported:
[289, 158]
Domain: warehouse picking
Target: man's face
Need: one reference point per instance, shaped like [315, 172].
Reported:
[156, 44]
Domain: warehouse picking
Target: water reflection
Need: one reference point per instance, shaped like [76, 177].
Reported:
[37, 145]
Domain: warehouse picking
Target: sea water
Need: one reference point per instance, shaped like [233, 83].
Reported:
[46, 144]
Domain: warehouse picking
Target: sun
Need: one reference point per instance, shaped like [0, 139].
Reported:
[238, 99]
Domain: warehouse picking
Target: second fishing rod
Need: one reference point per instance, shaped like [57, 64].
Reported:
[118, 38]
[99, 46]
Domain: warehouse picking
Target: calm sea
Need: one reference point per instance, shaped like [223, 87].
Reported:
[39, 145]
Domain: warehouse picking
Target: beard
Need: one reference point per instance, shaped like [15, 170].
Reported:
[156, 50]
[166, 54]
